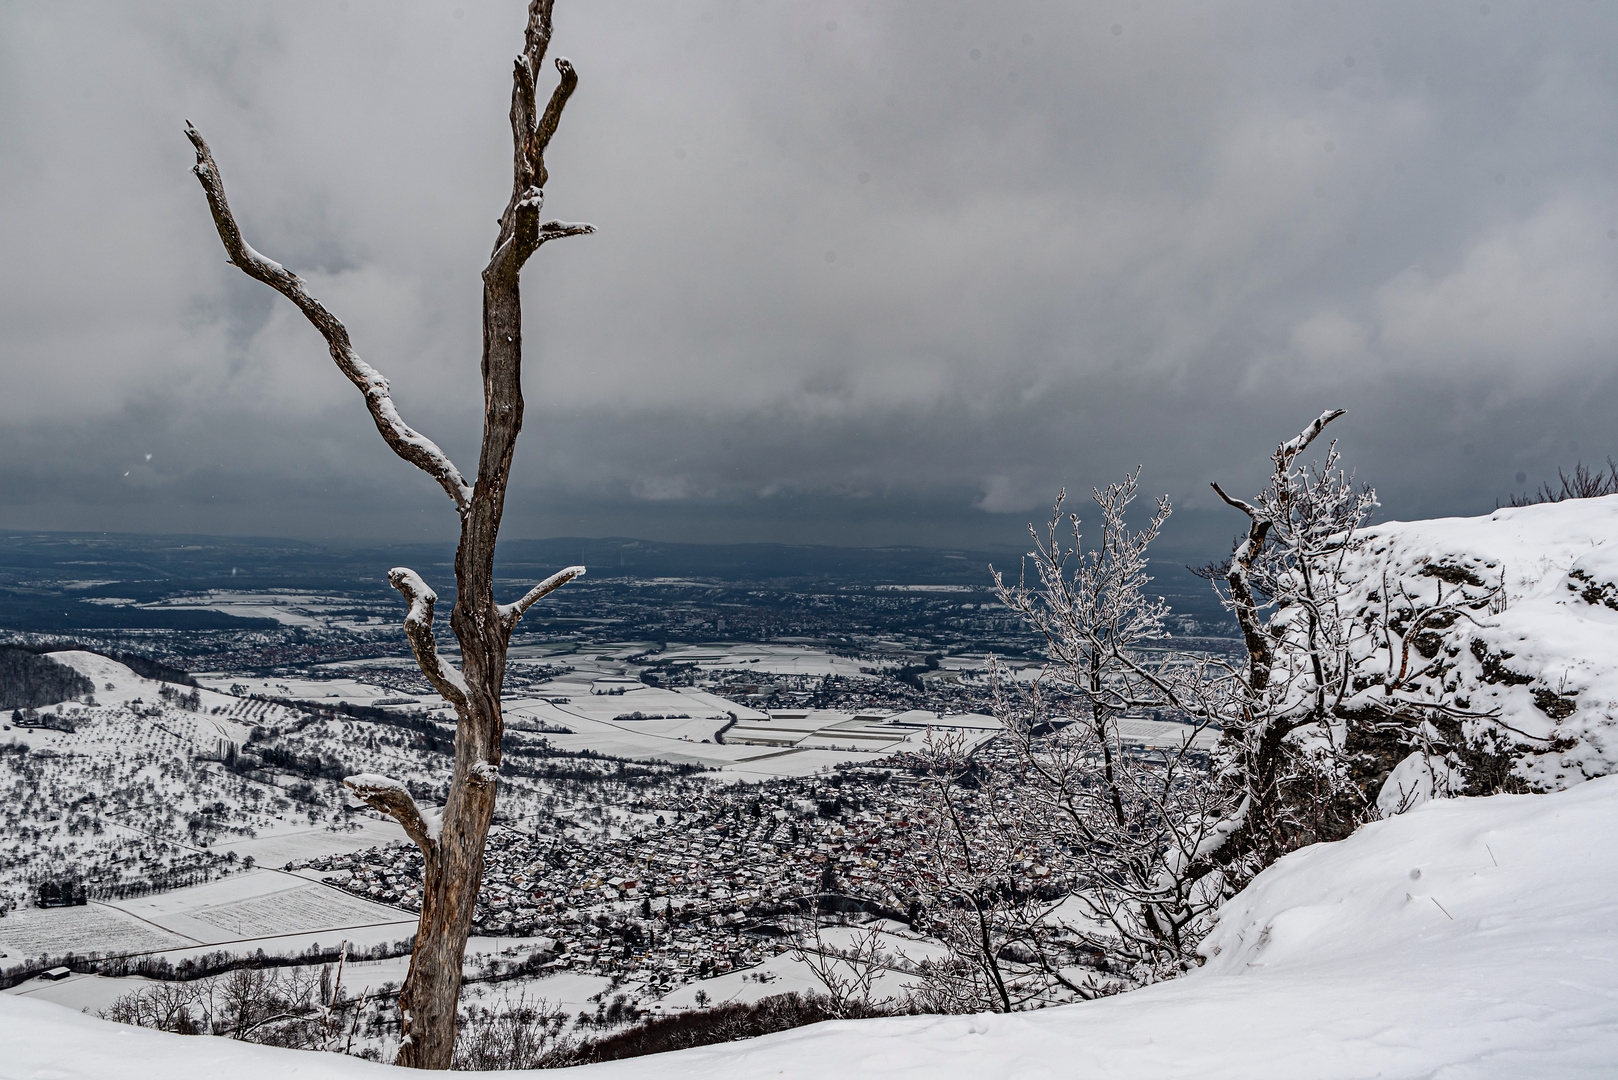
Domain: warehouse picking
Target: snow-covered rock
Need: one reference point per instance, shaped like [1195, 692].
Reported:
[1546, 662]
[1467, 938]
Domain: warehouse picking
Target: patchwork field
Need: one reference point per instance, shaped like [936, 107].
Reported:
[262, 903]
[28, 932]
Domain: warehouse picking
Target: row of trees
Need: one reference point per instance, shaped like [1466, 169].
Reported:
[298, 1007]
[1304, 727]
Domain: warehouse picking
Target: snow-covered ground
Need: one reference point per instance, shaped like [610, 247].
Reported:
[767, 659]
[259, 909]
[1469, 938]
[625, 717]
[1547, 662]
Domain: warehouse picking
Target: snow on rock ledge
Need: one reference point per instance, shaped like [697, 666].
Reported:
[1468, 938]
[1548, 662]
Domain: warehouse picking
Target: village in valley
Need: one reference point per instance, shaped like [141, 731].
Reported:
[672, 816]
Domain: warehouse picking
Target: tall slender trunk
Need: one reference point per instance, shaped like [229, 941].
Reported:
[452, 841]
[431, 993]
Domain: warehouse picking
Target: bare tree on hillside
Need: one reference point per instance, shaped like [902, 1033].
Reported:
[1342, 675]
[452, 842]
[1323, 677]
[1137, 821]
[1583, 483]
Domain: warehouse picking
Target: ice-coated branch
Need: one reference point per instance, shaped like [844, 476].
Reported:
[1260, 650]
[1293, 447]
[511, 613]
[388, 796]
[418, 626]
[407, 442]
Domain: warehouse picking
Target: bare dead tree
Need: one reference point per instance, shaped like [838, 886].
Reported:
[979, 844]
[847, 972]
[452, 841]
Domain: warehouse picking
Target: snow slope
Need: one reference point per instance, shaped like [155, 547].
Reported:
[1547, 663]
[1467, 938]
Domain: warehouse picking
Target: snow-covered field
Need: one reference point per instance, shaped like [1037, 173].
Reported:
[1469, 938]
[331, 689]
[622, 716]
[281, 846]
[135, 791]
[769, 659]
[601, 705]
[258, 904]
[256, 909]
[28, 932]
[573, 992]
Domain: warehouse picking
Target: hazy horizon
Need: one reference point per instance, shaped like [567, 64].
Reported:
[865, 275]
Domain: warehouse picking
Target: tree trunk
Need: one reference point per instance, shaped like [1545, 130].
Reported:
[452, 843]
[431, 993]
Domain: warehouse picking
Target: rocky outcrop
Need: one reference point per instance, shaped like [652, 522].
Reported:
[1536, 664]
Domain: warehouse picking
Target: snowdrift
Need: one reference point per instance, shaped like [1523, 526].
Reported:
[1467, 938]
[1547, 663]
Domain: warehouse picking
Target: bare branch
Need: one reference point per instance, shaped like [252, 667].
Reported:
[407, 442]
[388, 796]
[520, 231]
[1246, 508]
[546, 127]
[418, 625]
[1293, 447]
[555, 230]
[511, 613]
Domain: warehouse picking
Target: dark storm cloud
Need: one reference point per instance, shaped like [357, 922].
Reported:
[866, 273]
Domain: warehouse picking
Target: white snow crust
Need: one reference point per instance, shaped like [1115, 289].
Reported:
[1467, 938]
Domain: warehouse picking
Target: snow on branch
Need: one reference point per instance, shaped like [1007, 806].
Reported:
[388, 796]
[521, 232]
[1262, 519]
[511, 613]
[407, 442]
[418, 626]
[553, 230]
[1245, 507]
[1284, 456]
[1293, 447]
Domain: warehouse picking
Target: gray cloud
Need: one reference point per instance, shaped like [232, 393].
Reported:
[866, 273]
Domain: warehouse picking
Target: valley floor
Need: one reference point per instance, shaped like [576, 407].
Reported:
[1468, 938]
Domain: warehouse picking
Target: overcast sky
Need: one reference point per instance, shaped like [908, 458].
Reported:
[866, 273]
